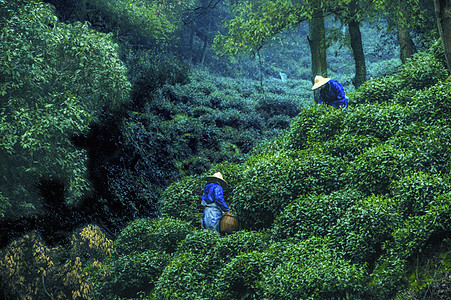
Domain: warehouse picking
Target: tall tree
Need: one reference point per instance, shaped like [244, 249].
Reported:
[317, 42]
[356, 44]
[443, 15]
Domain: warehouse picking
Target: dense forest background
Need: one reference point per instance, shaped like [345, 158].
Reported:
[113, 112]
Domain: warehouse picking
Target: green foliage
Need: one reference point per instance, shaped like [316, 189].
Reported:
[157, 20]
[270, 183]
[429, 144]
[364, 227]
[432, 105]
[311, 270]
[380, 89]
[414, 193]
[55, 79]
[373, 170]
[378, 120]
[298, 132]
[239, 277]
[158, 235]
[347, 146]
[131, 275]
[313, 215]
[422, 71]
[203, 255]
[182, 199]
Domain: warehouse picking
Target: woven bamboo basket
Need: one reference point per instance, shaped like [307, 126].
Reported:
[229, 224]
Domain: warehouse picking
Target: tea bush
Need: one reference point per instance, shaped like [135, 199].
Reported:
[379, 120]
[313, 215]
[311, 270]
[159, 235]
[347, 146]
[203, 255]
[239, 277]
[327, 125]
[376, 90]
[199, 242]
[182, 199]
[373, 171]
[430, 146]
[422, 71]
[413, 193]
[362, 230]
[130, 275]
[271, 183]
[301, 125]
[432, 105]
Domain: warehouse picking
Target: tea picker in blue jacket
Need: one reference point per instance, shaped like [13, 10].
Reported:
[331, 92]
[213, 200]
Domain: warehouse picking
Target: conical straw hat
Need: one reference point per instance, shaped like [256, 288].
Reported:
[319, 81]
[217, 175]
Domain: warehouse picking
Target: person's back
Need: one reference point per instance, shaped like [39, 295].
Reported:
[331, 92]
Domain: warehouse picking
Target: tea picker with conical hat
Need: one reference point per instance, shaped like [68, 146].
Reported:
[214, 202]
[331, 92]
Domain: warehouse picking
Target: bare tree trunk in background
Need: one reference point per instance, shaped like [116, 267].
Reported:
[80, 11]
[317, 42]
[443, 15]
[405, 42]
[204, 51]
[357, 49]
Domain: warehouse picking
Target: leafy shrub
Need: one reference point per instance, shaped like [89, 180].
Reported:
[423, 70]
[364, 227]
[347, 146]
[373, 170]
[187, 276]
[379, 120]
[433, 104]
[313, 215]
[271, 106]
[130, 275]
[159, 235]
[327, 125]
[241, 242]
[29, 269]
[199, 242]
[182, 199]
[200, 257]
[239, 277]
[311, 270]
[413, 193]
[156, 72]
[270, 183]
[297, 134]
[380, 89]
[57, 77]
[430, 146]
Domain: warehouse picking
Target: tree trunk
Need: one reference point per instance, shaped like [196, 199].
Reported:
[443, 15]
[317, 42]
[359, 56]
[357, 48]
[204, 52]
[405, 42]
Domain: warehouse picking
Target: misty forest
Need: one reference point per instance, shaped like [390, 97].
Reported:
[114, 112]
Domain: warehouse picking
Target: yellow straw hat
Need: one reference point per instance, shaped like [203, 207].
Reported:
[319, 81]
[217, 176]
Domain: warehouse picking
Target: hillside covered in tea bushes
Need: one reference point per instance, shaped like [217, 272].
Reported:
[114, 112]
[352, 203]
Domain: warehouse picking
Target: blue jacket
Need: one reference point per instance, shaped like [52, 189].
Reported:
[214, 193]
[333, 95]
